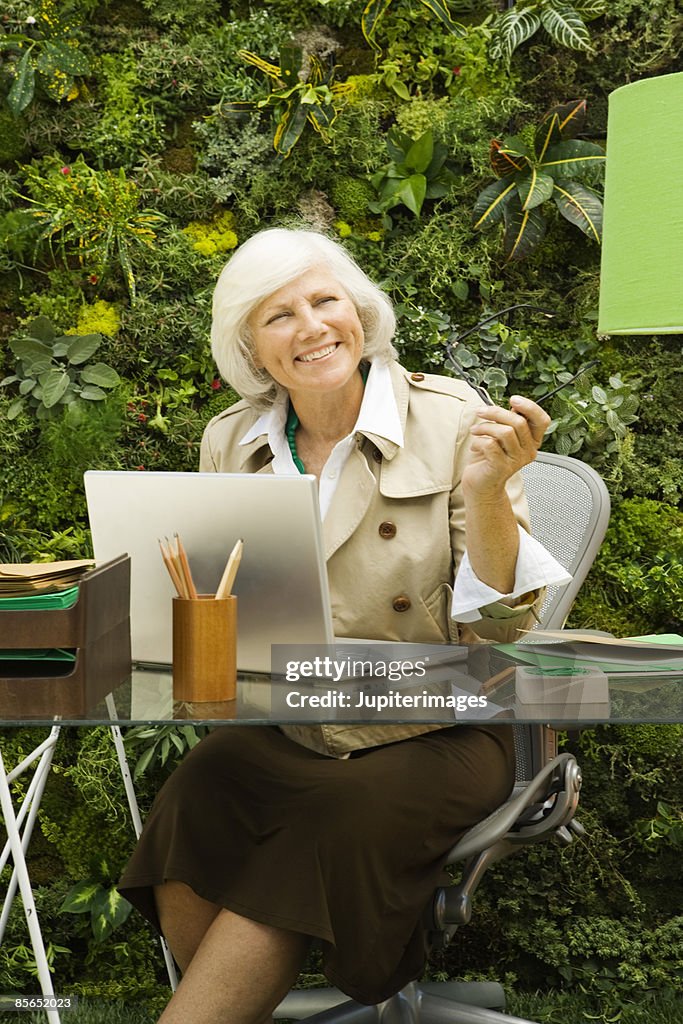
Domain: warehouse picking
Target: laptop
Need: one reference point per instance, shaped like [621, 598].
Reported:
[281, 586]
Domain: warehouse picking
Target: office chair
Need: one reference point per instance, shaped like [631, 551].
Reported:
[569, 506]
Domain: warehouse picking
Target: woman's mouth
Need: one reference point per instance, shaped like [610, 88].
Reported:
[320, 353]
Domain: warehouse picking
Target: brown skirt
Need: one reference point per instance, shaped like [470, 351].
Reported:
[347, 851]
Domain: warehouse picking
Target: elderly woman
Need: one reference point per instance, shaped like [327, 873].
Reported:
[266, 839]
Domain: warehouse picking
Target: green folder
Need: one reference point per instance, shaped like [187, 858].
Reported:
[38, 654]
[61, 599]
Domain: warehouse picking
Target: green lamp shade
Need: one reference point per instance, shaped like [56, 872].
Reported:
[641, 286]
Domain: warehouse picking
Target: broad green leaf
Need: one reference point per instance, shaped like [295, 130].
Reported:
[440, 9]
[512, 28]
[370, 19]
[13, 41]
[111, 906]
[439, 157]
[599, 395]
[547, 133]
[15, 408]
[82, 348]
[35, 356]
[91, 393]
[80, 898]
[398, 144]
[572, 158]
[12, 379]
[176, 741]
[491, 203]
[61, 347]
[589, 9]
[322, 118]
[615, 424]
[101, 928]
[565, 25]
[516, 144]
[562, 122]
[419, 156]
[524, 229]
[41, 329]
[494, 377]
[581, 206]
[412, 193]
[144, 762]
[290, 63]
[534, 188]
[290, 127]
[400, 88]
[563, 444]
[23, 87]
[505, 161]
[101, 374]
[272, 70]
[27, 385]
[54, 383]
[57, 56]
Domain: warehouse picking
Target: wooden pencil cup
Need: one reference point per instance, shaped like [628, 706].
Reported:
[204, 648]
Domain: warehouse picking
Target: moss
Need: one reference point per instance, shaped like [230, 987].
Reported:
[214, 238]
[351, 197]
[99, 317]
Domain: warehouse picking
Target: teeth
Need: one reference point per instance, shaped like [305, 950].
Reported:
[312, 356]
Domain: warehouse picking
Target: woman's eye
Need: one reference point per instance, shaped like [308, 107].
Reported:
[328, 298]
[277, 316]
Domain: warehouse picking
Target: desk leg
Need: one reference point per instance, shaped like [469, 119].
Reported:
[20, 870]
[135, 817]
[30, 805]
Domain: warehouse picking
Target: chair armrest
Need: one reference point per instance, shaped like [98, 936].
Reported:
[523, 818]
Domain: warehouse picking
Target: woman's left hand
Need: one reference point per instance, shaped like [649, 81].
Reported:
[503, 441]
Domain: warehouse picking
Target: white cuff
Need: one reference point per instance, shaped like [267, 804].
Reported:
[535, 568]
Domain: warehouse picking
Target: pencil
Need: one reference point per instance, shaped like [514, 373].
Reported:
[228, 578]
[172, 571]
[185, 567]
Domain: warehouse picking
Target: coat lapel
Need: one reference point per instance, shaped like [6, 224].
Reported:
[350, 502]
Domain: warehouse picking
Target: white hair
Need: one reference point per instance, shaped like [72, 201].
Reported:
[263, 264]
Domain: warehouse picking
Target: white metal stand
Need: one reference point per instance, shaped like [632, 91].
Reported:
[19, 825]
[17, 845]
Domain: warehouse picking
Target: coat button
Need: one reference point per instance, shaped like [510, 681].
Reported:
[417, 376]
[376, 454]
[401, 604]
[387, 530]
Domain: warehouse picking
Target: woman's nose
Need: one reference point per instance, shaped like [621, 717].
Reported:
[310, 323]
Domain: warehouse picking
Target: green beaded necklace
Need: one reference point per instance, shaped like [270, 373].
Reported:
[293, 423]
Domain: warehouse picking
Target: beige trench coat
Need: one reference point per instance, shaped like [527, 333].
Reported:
[394, 534]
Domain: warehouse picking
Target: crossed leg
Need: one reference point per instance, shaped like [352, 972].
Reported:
[235, 970]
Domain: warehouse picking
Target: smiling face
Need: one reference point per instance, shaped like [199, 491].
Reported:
[307, 335]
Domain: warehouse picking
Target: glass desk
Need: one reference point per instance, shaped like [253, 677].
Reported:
[444, 685]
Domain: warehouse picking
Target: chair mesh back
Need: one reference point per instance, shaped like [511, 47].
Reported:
[523, 754]
[569, 510]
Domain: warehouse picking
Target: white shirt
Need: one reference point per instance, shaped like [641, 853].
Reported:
[379, 415]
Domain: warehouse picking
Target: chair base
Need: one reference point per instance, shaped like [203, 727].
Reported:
[428, 1003]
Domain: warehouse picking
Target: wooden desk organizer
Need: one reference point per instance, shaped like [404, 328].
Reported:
[97, 627]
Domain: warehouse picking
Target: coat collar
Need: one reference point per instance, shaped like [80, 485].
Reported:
[382, 420]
